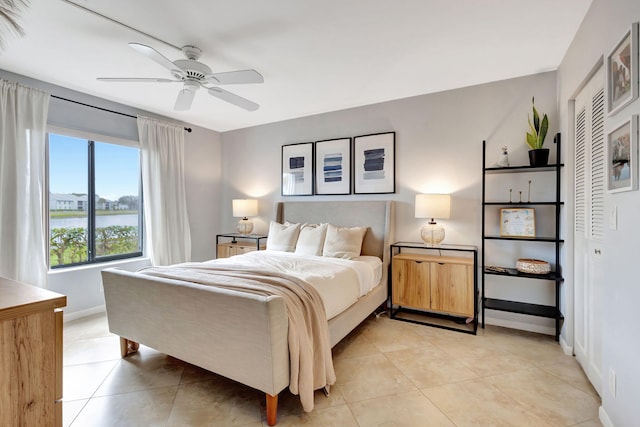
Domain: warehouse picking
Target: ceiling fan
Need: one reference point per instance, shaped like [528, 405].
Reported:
[194, 75]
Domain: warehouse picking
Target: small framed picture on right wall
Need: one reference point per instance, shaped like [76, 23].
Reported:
[622, 157]
[622, 71]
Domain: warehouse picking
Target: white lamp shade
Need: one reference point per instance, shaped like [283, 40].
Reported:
[433, 206]
[243, 208]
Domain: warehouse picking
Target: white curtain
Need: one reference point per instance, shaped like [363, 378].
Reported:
[23, 121]
[167, 235]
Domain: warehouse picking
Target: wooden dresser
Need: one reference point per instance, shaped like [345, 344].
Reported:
[435, 285]
[30, 355]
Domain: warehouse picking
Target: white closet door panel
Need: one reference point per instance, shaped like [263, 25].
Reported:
[581, 218]
[589, 218]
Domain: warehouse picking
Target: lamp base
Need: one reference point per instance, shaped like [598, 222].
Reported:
[244, 226]
[432, 234]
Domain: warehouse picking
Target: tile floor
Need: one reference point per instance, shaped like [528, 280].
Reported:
[390, 373]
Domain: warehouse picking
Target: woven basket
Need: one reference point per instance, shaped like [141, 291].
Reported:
[533, 266]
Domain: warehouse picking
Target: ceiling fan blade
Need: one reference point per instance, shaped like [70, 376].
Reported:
[184, 100]
[136, 79]
[235, 77]
[155, 56]
[234, 99]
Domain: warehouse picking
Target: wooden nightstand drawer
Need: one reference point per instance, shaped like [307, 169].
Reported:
[226, 250]
[239, 244]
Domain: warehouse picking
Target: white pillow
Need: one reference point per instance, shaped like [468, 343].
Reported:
[282, 237]
[311, 239]
[343, 242]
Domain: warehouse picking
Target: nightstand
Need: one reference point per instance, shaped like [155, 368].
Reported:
[246, 243]
[435, 285]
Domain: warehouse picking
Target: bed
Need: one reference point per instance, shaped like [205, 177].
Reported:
[240, 335]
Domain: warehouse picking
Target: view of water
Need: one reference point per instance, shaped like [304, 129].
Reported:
[101, 221]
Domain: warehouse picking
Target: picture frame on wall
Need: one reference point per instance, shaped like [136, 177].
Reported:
[518, 222]
[622, 71]
[622, 157]
[297, 169]
[374, 163]
[333, 166]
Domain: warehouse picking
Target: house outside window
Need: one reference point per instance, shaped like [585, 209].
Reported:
[95, 199]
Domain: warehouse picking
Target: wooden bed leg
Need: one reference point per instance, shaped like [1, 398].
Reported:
[127, 347]
[272, 409]
[124, 347]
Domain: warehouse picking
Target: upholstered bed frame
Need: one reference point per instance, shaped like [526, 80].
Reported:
[239, 335]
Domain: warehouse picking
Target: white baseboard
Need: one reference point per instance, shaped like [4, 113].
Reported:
[604, 418]
[84, 313]
[566, 348]
[520, 326]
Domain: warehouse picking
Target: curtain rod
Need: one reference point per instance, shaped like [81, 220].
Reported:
[103, 109]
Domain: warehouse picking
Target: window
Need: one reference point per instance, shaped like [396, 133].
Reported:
[95, 203]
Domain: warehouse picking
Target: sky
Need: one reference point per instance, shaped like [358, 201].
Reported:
[117, 167]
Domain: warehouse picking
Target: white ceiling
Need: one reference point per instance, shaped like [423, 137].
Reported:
[315, 55]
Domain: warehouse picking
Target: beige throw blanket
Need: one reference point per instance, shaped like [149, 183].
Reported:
[311, 365]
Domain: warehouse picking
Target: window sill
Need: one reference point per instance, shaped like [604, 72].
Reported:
[99, 265]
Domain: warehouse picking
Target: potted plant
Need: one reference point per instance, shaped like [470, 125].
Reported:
[538, 156]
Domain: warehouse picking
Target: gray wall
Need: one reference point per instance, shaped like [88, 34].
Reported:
[438, 149]
[602, 28]
[82, 285]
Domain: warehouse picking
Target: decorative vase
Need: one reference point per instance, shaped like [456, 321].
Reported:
[539, 157]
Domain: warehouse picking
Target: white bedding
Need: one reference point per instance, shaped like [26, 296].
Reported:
[340, 282]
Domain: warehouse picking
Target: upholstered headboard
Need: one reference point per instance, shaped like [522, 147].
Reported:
[377, 216]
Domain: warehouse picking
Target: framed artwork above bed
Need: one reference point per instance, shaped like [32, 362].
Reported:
[333, 166]
[297, 169]
[374, 163]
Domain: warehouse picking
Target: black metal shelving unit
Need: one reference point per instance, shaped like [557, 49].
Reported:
[548, 311]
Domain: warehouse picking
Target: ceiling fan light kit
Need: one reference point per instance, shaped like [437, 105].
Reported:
[194, 75]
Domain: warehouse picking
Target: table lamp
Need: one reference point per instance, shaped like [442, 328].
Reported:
[244, 208]
[432, 206]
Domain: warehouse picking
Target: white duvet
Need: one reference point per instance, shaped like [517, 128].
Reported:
[340, 282]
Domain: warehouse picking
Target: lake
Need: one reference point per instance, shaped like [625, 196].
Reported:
[101, 221]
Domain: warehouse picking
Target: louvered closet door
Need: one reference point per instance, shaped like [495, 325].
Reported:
[589, 227]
